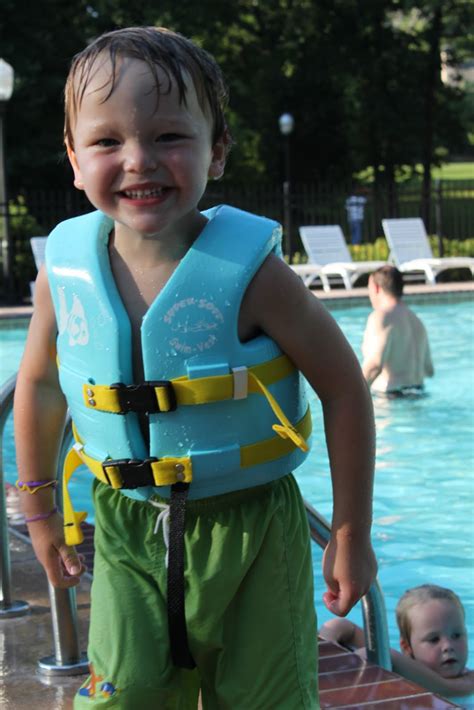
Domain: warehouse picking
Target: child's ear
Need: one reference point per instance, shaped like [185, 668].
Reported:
[405, 647]
[219, 155]
[74, 164]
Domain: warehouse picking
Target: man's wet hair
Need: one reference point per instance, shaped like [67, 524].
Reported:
[389, 279]
[161, 49]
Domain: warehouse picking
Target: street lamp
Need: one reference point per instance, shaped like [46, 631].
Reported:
[286, 123]
[6, 90]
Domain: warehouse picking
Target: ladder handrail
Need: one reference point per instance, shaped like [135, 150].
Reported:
[374, 614]
[67, 658]
[6, 402]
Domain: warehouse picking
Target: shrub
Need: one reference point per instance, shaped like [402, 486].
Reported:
[378, 250]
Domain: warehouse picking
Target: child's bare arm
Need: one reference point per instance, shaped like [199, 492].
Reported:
[39, 414]
[344, 632]
[417, 672]
[287, 311]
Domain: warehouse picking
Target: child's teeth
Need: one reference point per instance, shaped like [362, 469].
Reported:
[140, 194]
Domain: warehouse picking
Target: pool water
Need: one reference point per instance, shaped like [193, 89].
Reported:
[424, 487]
[423, 527]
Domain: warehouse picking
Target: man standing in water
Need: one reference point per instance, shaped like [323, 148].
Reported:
[395, 348]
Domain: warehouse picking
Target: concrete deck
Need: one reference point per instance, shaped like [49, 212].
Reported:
[345, 680]
[25, 640]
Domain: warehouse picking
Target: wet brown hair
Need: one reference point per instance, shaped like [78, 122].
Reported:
[420, 595]
[158, 47]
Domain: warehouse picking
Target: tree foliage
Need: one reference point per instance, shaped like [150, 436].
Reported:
[361, 78]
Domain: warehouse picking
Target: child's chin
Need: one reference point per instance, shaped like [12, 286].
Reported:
[450, 671]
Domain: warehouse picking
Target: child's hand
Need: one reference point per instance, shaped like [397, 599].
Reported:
[349, 568]
[61, 563]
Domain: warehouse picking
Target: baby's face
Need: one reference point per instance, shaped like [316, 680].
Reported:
[438, 637]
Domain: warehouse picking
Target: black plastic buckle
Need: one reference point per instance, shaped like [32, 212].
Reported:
[134, 472]
[142, 398]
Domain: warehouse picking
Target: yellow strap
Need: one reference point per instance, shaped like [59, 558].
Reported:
[212, 389]
[285, 429]
[166, 471]
[277, 446]
[72, 520]
[201, 390]
[170, 470]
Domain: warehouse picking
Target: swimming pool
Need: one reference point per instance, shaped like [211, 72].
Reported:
[424, 488]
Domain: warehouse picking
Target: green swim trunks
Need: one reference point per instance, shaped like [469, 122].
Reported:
[249, 605]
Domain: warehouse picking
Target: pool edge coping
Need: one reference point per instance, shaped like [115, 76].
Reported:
[341, 296]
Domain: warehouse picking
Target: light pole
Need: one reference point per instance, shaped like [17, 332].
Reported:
[6, 90]
[286, 123]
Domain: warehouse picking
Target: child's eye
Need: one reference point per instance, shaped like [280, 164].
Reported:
[433, 639]
[169, 137]
[106, 142]
[457, 635]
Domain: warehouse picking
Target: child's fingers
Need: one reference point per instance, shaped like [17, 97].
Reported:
[73, 563]
[339, 603]
[333, 602]
[329, 599]
[58, 575]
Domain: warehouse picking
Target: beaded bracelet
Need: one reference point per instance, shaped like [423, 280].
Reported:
[42, 516]
[35, 486]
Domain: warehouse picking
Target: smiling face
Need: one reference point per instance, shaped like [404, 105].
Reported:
[438, 637]
[142, 158]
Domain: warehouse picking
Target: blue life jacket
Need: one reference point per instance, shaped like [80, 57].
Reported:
[189, 337]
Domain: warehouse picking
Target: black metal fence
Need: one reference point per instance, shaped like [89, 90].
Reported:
[448, 210]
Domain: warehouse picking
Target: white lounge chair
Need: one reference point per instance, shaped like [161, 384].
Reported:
[38, 246]
[411, 252]
[329, 255]
[310, 273]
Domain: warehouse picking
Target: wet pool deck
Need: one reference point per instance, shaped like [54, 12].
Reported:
[345, 680]
[27, 639]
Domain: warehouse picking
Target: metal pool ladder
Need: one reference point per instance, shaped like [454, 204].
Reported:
[67, 658]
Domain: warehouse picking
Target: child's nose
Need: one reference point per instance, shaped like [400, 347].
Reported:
[447, 644]
[139, 158]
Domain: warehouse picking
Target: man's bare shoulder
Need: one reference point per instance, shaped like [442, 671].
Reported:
[383, 318]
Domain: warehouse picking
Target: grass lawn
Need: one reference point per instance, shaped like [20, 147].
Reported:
[454, 171]
[448, 171]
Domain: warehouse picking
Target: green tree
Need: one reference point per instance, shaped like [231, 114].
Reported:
[38, 40]
[361, 78]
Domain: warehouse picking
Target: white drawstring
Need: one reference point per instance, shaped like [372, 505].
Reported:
[164, 519]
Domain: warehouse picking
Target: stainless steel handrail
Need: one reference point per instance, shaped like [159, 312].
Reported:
[67, 658]
[8, 608]
[374, 615]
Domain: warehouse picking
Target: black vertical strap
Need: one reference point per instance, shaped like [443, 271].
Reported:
[180, 652]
